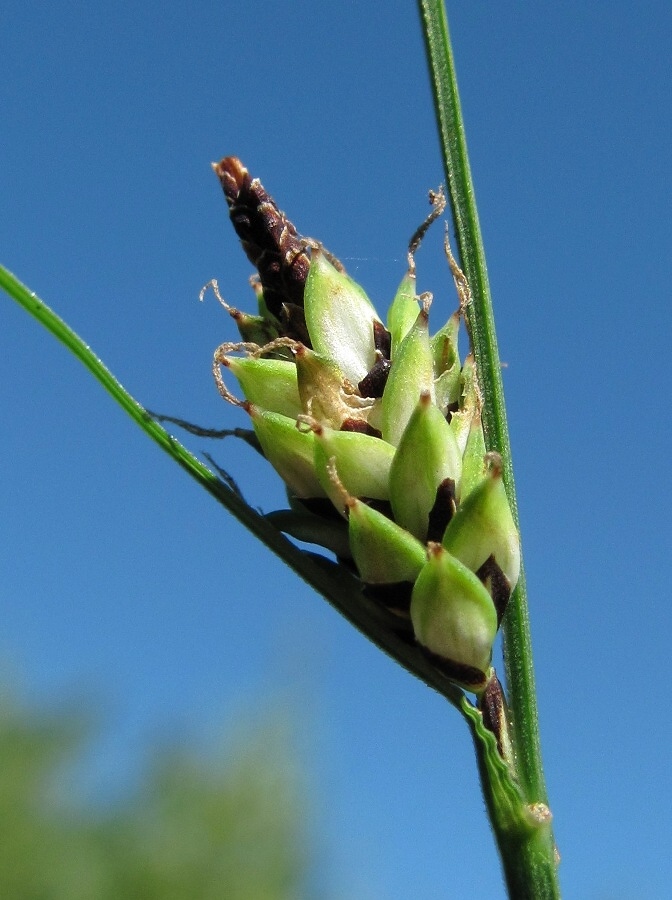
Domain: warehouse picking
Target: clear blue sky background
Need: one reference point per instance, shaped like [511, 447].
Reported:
[122, 581]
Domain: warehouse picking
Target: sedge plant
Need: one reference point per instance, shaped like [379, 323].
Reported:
[395, 455]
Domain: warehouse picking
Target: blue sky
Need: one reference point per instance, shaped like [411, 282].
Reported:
[123, 582]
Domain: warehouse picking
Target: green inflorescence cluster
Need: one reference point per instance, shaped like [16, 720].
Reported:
[375, 429]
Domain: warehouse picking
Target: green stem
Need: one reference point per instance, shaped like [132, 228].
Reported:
[516, 630]
[524, 835]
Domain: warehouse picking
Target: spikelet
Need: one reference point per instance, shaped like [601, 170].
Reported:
[383, 422]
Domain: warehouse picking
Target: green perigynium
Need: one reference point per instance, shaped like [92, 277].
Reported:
[380, 426]
[453, 615]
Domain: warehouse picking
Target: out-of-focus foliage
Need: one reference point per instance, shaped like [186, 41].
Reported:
[227, 826]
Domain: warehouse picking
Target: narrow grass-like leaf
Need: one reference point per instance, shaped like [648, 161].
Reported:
[340, 588]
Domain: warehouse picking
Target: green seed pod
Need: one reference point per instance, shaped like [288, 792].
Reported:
[324, 395]
[473, 467]
[268, 383]
[483, 535]
[454, 618]
[340, 318]
[387, 557]
[254, 329]
[263, 309]
[447, 390]
[383, 552]
[291, 452]
[444, 346]
[447, 384]
[426, 458]
[411, 374]
[469, 400]
[363, 463]
[469, 392]
[403, 312]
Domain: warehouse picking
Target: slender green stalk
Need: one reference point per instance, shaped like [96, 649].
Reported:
[516, 630]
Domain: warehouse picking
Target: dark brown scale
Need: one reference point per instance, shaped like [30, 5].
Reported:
[361, 427]
[469, 676]
[395, 597]
[442, 511]
[373, 383]
[319, 506]
[493, 707]
[382, 339]
[452, 408]
[271, 242]
[490, 573]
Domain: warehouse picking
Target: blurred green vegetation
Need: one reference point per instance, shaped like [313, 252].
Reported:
[228, 825]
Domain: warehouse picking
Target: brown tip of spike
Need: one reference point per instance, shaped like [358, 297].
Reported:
[232, 175]
[271, 243]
